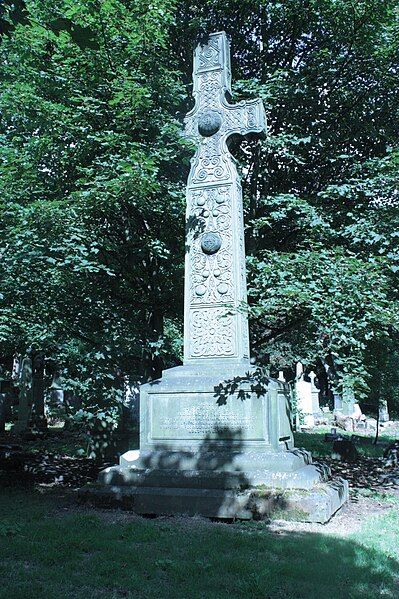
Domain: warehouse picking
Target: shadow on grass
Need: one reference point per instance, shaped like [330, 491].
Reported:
[48, 551]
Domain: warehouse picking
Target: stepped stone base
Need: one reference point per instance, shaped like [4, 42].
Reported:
[316, 505]
[217, 443]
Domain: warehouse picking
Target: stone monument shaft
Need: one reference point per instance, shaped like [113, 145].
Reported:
[203, 451]
[215, 276]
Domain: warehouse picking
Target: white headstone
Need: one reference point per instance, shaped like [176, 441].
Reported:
[315, 393]
[304, 396]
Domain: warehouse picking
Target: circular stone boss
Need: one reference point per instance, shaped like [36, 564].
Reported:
[211, 243]
[209, 123]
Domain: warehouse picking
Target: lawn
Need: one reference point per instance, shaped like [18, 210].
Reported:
[51, 548]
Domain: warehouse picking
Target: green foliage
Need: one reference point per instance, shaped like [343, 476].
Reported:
[93, 169]
[318, 303]
[91, 240]
[321, 199]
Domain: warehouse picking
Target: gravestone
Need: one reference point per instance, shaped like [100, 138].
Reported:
[348, 396]
[337, 402]
[16, 365]
[213, 440]
[56, 391]
[38, 412]
[25, 394]
[6, 393]
[132, 401]
[303, 390]
[3, 406]
[315, 394]
[383, 413]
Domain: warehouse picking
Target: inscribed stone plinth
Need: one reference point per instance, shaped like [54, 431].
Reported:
[204, 448]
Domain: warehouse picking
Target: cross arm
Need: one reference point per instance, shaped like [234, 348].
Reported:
[245, 118]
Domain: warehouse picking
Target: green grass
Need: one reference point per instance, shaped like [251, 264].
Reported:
[50, 552]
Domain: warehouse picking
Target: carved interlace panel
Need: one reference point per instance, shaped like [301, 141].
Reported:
[215, 262]
[212, 333]
[210, 165]
[209, 55]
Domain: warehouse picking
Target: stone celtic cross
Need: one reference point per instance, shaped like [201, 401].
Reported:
[215, 277]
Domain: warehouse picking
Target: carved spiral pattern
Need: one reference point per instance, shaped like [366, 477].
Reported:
[209, 54]
[210, 163]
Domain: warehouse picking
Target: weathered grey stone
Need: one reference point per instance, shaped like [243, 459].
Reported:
[315, 394]
[56, 391]
[215, 277]
[337, 402]
[383, 411]
[348, 396]
[38, 412]
[316, 505]
[3, 409]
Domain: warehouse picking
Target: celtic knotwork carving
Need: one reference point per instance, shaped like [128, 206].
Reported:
[252, 118]
[210, 88]
[244, 118]
[215, 263]
[209, 54]
[210, 164]
[212, 333]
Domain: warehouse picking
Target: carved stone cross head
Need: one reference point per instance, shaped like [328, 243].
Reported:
[215, 326]
[212, 114]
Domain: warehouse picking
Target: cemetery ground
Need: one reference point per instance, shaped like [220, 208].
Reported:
[51, 546]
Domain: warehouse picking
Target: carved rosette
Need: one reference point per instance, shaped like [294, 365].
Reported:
[215, 279]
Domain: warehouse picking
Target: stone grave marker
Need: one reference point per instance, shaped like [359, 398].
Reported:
[348, 396]
[38, 412]
[337, 402]
[25, 394]
[315, 394]
[3, 409]
[383, 411]
[212, 438]
[56, 391]
[304, 396]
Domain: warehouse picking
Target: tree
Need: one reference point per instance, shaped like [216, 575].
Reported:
[92, 200]
[321, 191]
[93, 169]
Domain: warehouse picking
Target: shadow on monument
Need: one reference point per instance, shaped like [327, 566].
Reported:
[256, 380]
[206, 481]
